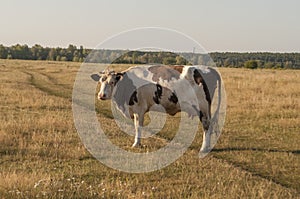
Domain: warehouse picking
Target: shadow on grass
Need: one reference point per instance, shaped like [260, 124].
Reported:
[256, 149]
[249, 167]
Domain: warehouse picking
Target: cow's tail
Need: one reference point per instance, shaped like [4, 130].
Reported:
[217, 119]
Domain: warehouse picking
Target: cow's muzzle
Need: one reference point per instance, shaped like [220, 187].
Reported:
[102, 97]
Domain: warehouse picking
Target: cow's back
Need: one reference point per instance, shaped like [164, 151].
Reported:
[176, 84]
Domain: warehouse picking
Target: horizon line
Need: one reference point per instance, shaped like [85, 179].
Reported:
[210, 51]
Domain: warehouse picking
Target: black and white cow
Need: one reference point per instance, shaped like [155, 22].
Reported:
[176, 88]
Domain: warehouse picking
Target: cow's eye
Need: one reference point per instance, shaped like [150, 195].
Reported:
[103, 79]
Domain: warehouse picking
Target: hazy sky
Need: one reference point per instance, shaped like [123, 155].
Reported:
[228, 25]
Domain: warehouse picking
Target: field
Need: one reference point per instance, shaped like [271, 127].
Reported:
[42, 156]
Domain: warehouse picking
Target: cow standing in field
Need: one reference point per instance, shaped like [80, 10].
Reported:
[175, 88]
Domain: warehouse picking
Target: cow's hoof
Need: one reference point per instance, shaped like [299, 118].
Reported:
[204, 152]
[136, 145]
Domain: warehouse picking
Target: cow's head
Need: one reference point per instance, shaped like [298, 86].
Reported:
[107, 79]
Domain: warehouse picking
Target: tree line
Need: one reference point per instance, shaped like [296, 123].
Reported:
[257, 60]
[220, 59]
[37, 52]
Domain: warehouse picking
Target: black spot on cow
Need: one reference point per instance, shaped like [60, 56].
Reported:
[133, 98]
[118, 77]
[199, 79]
[173, 98]
[205, 123]
[157, 94]
[201, 115]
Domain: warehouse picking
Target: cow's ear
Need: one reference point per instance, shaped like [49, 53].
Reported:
[95, 77]
[119, 76]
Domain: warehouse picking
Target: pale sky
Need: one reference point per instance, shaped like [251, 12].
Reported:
[223, 25]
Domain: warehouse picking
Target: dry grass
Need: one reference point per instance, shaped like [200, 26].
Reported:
[257, 156]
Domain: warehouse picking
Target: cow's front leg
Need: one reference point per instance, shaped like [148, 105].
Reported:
[204, 118]
[138, 123]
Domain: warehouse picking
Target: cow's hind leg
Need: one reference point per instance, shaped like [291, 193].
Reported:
[204, 118]
[138, 123]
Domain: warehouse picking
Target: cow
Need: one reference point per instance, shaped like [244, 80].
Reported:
[175, 88]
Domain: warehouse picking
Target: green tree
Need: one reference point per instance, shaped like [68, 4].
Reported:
[269, 65]
[288, 64]
[3, 52]
[180, 60]
[57, 58]
[75, 56]
[63, 58]
[9, 56]
[169, 60]
[134, 57]
[251, 64]
[70, 52]
[52, 54]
